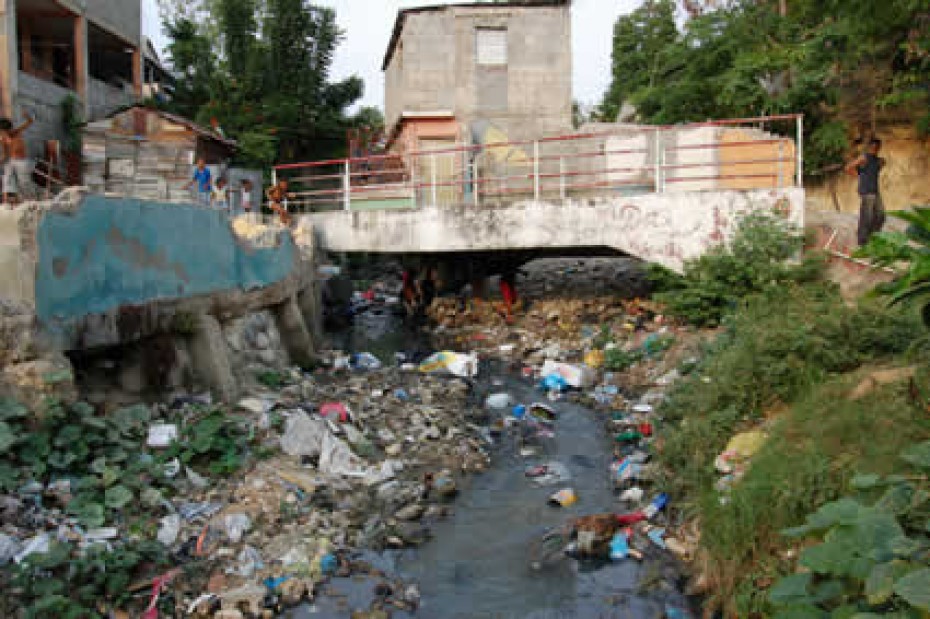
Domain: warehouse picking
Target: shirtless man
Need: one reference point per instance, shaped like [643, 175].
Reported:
[17, 167]
[278, 196]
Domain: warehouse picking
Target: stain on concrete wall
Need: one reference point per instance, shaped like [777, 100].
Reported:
[114, 252]
[664, 228]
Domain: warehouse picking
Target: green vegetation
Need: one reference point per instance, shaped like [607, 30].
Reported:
[874, 557]
[787, 358]
[68, 583]
[108, 479]
[840, 62]
[260, 68]
[910, 249]
[756, 260]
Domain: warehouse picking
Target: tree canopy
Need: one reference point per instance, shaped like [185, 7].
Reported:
[260, 69]
[843, 63]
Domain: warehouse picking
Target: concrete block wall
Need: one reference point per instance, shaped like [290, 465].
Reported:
[434, 67]
[43, 100]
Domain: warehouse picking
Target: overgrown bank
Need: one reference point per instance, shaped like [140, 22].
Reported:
[796, 364]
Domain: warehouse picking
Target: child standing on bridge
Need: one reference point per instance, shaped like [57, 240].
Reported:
[278, 196]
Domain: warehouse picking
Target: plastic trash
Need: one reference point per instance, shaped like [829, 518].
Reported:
[498, 401]
[594, 359]
[739, 450]
[162, 435]
[172, 468]
[248, 562]
[39, 544]
[365, 361]
[518, 412]
[458, 364]
[338, 410]
[236, 526]
[657, 537]
[329, 563]
[632, 495]
[543, 412]
[401, 394]
[624, 471]
[565, 497]
[196, 479]
[549, 474]
[657, 505]
[642, 409]
[9, 548]
[553, 383]
[673, 612]
[168, 529]
[630, 436]
[194, 511]
[619, 546]
[576, 376]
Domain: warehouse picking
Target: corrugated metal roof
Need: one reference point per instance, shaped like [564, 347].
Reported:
[403, 13]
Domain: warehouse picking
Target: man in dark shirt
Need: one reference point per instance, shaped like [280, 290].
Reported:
[868, 167]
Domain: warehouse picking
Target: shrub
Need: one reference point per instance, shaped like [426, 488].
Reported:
[757, 259]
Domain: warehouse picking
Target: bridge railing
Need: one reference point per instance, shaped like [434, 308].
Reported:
[744, 153]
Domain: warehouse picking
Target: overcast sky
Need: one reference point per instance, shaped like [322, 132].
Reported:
[368, 23]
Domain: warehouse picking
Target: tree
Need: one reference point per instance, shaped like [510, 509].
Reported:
[639, 42]
[261, 69]
[839, 62]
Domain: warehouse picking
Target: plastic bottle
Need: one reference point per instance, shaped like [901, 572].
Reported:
[630, 436]
[619, 548]
[519, 411]
[657, 505]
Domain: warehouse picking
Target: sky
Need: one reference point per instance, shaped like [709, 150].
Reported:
[368, 23]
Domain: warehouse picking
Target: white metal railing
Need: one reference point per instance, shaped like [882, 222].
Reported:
[724, 154]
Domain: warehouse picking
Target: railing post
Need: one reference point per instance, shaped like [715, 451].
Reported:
[781, 169]
[562, 178]
[536, 170]
[432, 165]
[346, 186]
[474, 175]
[658, 160]
[800, 150]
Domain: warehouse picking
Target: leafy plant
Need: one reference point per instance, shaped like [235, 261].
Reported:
[68, 582]
[215, 441]
[618, 359]
[910, 249]
[875, 555]
[757, 259]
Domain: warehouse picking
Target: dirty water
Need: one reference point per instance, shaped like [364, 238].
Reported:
[478, 563]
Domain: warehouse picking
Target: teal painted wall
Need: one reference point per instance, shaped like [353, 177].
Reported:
[113, 252]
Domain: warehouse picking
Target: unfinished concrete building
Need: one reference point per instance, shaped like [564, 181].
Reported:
[478, 73]
[50, 49]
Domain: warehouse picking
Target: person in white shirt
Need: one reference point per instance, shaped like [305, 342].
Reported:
[247, 206]
[220, 196]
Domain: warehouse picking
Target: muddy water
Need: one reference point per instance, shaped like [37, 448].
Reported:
[478, 563]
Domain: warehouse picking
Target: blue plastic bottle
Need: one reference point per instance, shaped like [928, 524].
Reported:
[657, 505]
[619, 548]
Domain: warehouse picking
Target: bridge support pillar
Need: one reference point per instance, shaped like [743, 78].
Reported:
[210, 355]
[294, 333]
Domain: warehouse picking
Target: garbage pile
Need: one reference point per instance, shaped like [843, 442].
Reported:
[218, 510]
[617, 357]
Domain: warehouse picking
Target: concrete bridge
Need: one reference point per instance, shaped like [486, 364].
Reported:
[660, 194]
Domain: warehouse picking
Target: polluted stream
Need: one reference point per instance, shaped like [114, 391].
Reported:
[479, 560]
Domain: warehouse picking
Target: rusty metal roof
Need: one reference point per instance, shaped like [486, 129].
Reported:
[403, 13]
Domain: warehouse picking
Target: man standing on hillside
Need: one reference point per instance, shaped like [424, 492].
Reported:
[868, 167]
